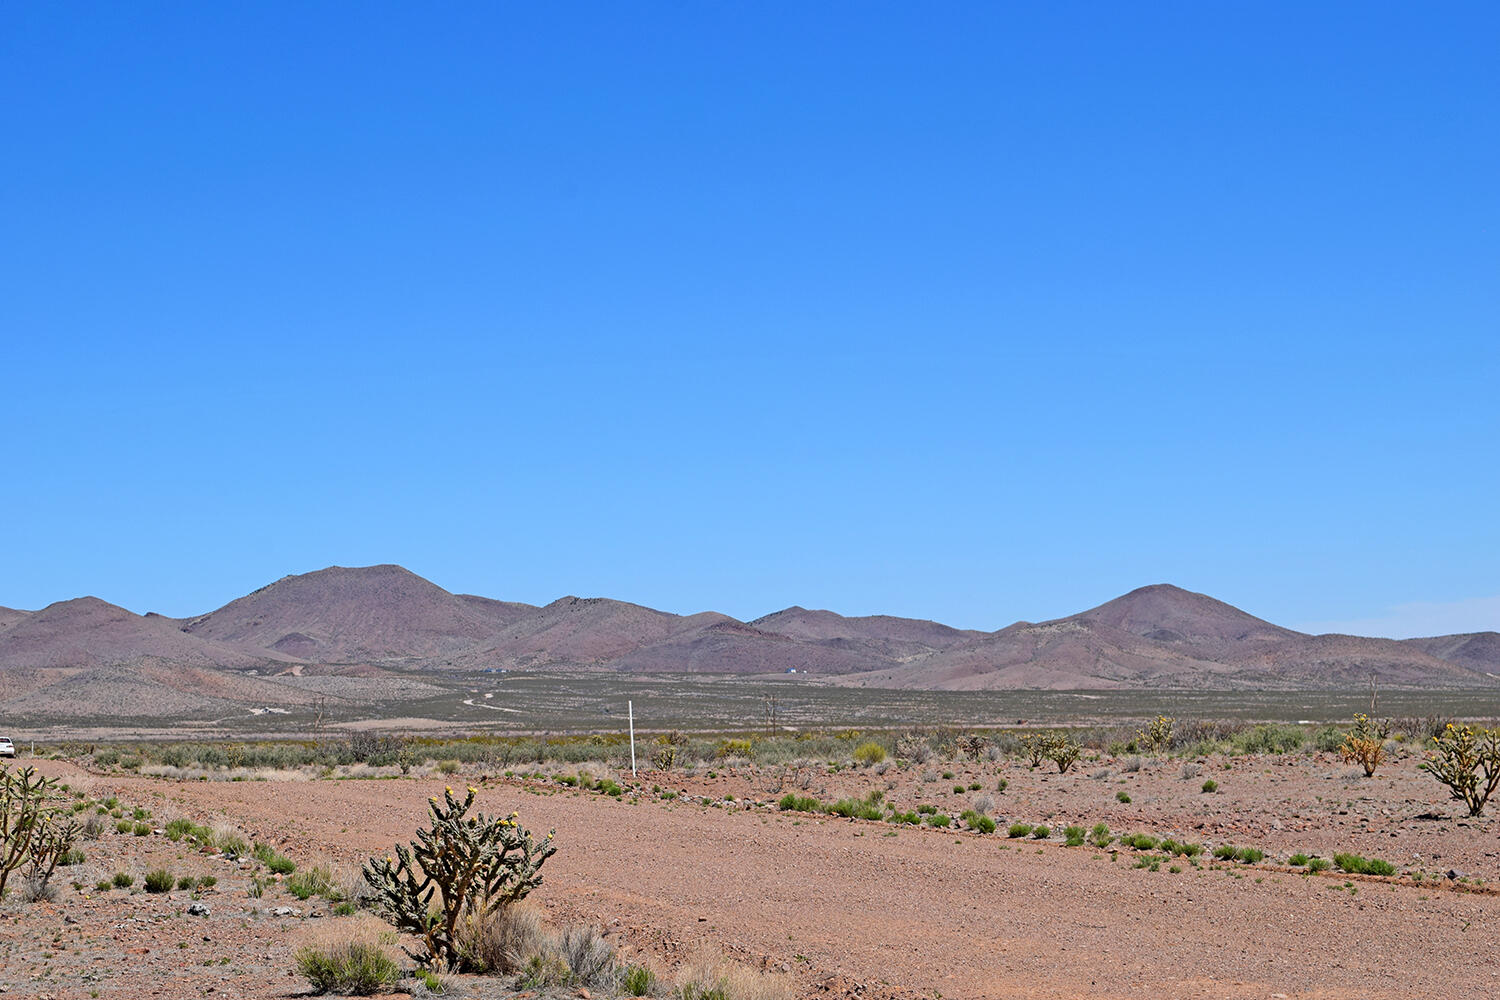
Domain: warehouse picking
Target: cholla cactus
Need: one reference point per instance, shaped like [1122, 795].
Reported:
[462, 867]
[1363, 745]
[664, 757]
[1157, 736]
[33, 831]
[971, 745]
[1063, 751]
[1461, 754]
[1035, 746]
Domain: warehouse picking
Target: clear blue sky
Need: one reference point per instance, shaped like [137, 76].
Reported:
[971, 312]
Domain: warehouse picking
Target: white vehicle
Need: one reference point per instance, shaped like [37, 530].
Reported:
[7, 748]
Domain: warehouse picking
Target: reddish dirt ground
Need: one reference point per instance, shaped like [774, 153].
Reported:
[859, 908]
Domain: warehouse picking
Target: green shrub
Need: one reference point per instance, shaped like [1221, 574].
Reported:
[187, 882]
[1041, 832]
[123, 880]
[978, 822]
[1250, 855]
[866, 808]
[314, 881]
[1225, 852]
[1328, 739]
[448, 766]
[926, 809]
[1122, 796]
[1019, 830]
[1101, 836]
[637, 981]
[352, 967]
[867, 755]
[1356, 865]
[1210, 786]
[207, 882]
[230, 842]
[1073, 836]
[1318, 865]
[103, 885]
[1269, 738]
[1298, 860]
[940, 820]
[909, 818]
[142, 829]
[735, 748]
[276, 862]
[177, 828]
[159, 880]
[792, 802]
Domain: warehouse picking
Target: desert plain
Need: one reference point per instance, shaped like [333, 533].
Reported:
[709, 858]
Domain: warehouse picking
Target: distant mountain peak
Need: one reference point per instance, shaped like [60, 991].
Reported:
[1165, 612]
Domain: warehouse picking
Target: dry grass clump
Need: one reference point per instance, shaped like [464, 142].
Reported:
[515, 940]
[504, 941]
[709, 975]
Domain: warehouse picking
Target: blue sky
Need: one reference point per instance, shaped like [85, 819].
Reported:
[954, 311]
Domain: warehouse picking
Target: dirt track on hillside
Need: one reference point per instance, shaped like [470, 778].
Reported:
[924, 912]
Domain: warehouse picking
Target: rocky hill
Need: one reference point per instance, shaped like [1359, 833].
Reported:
[385, 620]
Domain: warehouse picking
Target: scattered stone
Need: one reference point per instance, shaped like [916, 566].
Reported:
[198, 910]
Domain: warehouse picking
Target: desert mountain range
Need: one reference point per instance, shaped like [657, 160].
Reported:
[386, 621]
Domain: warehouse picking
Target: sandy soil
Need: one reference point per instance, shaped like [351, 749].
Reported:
[857, 908]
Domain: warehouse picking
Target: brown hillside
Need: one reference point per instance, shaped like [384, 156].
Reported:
[1475, 650]
[89, 632]
[343, 615]
[1060, 655]
[732, 647]
[817, 626]
[578, 632]
[1164, 613]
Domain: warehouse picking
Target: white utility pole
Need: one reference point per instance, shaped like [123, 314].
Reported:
[630, 708]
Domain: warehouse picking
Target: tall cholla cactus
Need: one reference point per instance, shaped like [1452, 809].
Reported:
[33, 829]
[463, 867]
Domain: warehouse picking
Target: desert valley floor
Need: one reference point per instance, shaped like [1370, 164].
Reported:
[846, 907]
